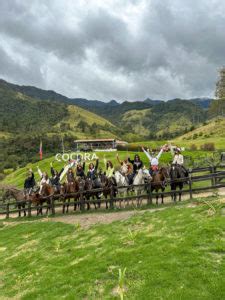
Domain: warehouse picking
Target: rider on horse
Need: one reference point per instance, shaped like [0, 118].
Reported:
[92, 170]
[178, 159]
[80, 170]
[70, 176]
[55, 180]
[126, 168]
[137, 165]
[29, 183]
[154, 161]
[44, 178]
[109, 173]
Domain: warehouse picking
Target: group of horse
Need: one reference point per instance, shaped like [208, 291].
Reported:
[87, 191]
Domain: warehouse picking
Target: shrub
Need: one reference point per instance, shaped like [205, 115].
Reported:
[193, 147]
[208, 147]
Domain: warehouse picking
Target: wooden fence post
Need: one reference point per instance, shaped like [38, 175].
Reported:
[149, 201]
[111, 197]
[190, 185]
[53, 205]
[29, 209]
[7, 211]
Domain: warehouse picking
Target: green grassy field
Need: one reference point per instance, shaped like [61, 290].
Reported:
[175, 253]
[186, 141]
[17, 177]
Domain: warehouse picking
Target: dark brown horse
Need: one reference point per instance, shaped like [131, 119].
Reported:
[159, 182]
[178, 177]
[108, 186]
[66, 190]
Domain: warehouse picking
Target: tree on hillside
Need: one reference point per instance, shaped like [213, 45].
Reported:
[217, 107]
[220, 85]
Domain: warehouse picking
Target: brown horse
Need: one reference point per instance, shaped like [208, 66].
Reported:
[159, 182]
[107, 184]
[67, 189]
[18, 195]
[46, 195]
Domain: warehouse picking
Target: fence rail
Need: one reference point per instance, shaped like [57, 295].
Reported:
[215, 176]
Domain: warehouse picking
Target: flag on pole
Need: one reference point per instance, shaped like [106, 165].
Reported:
[40, 151]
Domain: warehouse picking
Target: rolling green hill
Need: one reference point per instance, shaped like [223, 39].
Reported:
[24, 121]
[171, 253]
[139, 119]
[211, 132]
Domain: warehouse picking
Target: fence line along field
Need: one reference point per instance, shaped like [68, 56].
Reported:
[139, 195]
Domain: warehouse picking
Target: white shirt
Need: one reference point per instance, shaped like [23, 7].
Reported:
[178, 159]
[154, 160]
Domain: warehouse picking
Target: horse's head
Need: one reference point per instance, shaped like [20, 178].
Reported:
[124, 168]
[174, 172]
[7, 194]
[165, 172]
[46, 190]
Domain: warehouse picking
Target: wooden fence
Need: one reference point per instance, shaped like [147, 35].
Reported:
[215, 174]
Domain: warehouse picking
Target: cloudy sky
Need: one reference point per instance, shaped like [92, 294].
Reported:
[114, 49]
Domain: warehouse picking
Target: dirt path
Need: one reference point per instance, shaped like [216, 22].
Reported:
[86, 221]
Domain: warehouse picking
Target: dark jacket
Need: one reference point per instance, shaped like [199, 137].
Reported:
[29, 182]
[92, 174]
[80, 172]
[137, 165]
[55, 180]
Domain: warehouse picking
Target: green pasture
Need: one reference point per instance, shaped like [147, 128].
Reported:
[175, 253]
[219, 142]
[17, 177]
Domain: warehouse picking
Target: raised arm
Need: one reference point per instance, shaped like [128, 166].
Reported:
[83, 165]
[130, 160]
[117, 157]
[105, 162]
[52, 171]
[61, 171]
[147, 154]
[39, 172]
[160, 153]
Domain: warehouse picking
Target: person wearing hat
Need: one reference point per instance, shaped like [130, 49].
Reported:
[178, 159]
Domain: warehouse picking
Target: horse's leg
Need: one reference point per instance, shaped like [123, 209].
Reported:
[180, 192]
[171, 189]
[106, 202]
[157, 197]
[63, 210]
[163, 189]
[175, 194]
[67, 206]
[19, 208]
[98, 200]
[24, 211]
[75, 204]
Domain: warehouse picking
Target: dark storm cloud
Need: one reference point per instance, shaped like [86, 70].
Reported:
[114, 49]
